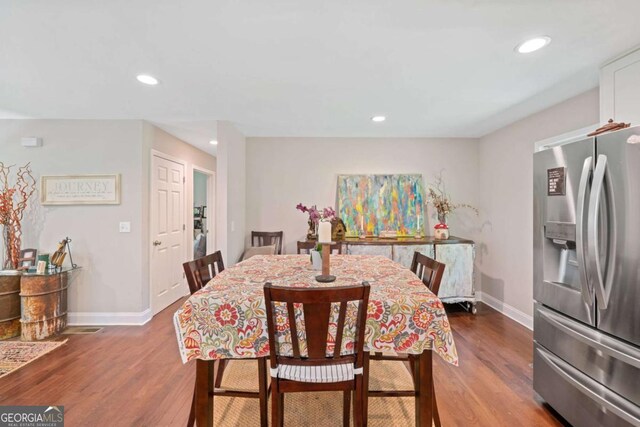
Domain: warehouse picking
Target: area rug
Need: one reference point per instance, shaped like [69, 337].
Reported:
[320, 408]
[16, 354]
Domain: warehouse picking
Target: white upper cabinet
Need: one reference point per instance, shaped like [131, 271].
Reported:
[620, 90]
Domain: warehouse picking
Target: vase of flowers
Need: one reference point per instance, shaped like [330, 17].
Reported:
[14, 196]
[441, 200]
[315, 216]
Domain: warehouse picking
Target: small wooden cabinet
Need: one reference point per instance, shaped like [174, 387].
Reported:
[458, 254]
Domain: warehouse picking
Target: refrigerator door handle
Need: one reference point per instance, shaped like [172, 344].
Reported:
[586, 290]
[603, 285]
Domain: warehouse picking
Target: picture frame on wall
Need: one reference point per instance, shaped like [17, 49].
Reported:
[80, 189]
[395, 201]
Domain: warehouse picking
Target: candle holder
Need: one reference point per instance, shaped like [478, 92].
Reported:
[326, 276]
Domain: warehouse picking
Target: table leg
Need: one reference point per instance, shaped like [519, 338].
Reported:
[365, 389]
[204, 396]
[264, 391]
[424, 389]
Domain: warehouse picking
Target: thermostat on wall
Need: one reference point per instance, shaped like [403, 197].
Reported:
[31, 141]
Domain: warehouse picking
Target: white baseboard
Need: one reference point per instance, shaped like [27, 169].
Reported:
[512, 313]
[108, 319]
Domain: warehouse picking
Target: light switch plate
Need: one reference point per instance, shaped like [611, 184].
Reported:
[125, 227]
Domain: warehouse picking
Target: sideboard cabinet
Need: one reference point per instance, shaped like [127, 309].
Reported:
[458, 254]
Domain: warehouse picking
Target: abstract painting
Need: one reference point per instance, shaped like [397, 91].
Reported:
[376, 203]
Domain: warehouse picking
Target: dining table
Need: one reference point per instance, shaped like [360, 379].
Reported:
[226, 319]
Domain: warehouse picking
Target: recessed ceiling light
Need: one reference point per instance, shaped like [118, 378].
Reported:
[378, 119]
[213, 142]
[147, 79]
[533, 44]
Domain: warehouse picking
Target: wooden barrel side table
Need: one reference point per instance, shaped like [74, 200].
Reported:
[44, 304]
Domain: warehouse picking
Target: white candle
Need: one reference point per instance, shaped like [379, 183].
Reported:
[362, 223]
[324, 232]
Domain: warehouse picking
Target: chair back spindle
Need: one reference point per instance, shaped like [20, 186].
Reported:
[295, 343]
[339, 332]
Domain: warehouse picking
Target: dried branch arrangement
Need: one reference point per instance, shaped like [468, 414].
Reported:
[13, 203]
[441, 200]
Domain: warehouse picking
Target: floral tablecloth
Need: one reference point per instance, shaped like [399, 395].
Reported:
[227, 318]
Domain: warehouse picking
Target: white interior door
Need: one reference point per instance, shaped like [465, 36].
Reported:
[167, 233]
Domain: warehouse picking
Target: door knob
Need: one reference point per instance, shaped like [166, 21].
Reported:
[157, 243]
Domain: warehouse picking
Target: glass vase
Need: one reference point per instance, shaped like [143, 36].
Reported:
[6, 259]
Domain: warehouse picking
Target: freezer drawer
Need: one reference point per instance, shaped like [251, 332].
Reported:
[578, 398]
[605, 359]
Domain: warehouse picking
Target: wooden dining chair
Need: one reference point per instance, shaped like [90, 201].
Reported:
[430, 272]
[268, 238]
[199, 272]
[321, 367]
[307, 245]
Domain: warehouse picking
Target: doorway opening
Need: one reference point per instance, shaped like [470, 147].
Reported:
[203, 212]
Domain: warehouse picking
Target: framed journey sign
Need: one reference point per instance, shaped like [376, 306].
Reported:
[80, 190]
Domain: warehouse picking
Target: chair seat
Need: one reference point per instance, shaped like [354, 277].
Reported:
[316, 374]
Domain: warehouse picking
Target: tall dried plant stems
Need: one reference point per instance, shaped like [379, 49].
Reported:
[441, 200]
[13, 203]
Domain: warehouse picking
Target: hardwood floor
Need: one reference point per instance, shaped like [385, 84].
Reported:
[133, 376]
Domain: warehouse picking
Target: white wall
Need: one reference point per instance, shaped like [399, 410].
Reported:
[112, 262]
[505, 255]
[113, 284]
[231, 192]
[282, 172]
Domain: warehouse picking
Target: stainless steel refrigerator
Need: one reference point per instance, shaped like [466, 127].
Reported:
[587, 279]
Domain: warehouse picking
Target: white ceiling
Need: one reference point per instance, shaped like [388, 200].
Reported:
[306, 67]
